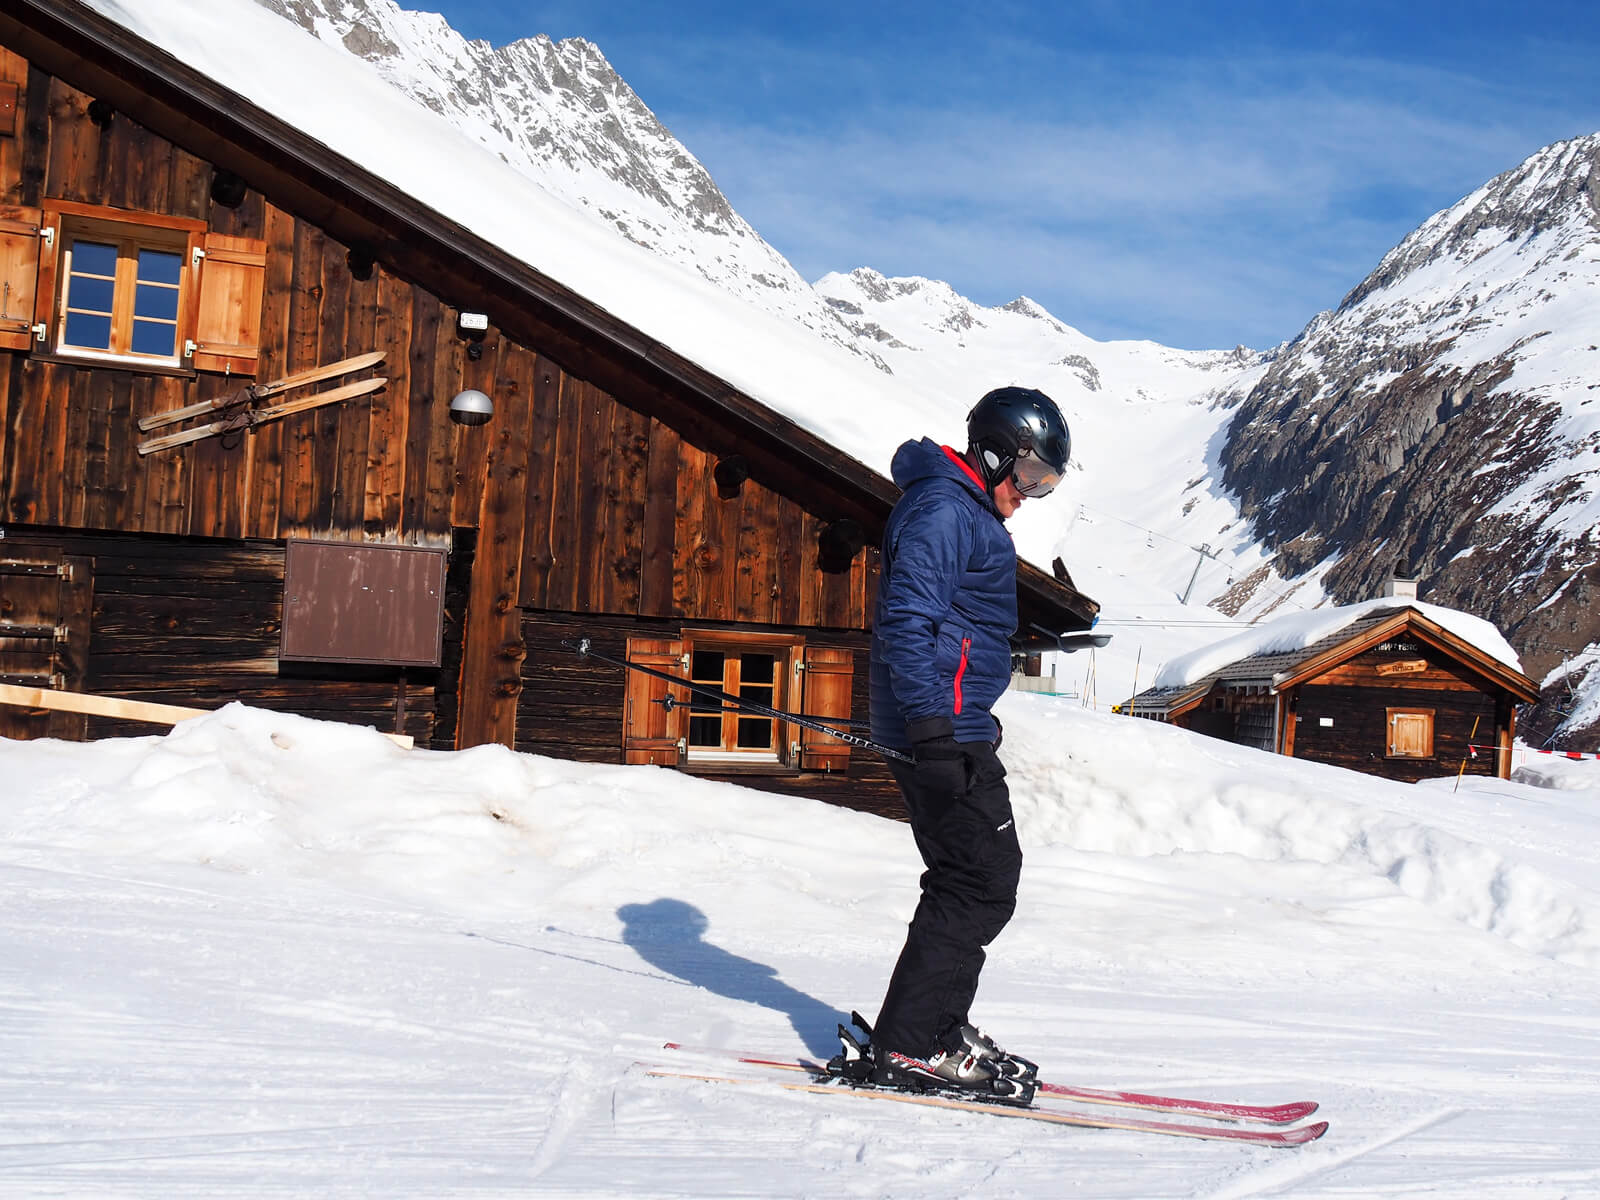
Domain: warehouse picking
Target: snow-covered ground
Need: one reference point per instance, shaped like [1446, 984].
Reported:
[265, 956]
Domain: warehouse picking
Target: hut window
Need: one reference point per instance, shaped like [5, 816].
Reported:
[752, 672]
[121, 297]
[667, 724]
[141, 290]
[1410, 733]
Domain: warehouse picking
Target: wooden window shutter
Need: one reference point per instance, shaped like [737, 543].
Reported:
[20, 252]
[649, 732]
[1410, 733]
[826, 686]
[227, 328]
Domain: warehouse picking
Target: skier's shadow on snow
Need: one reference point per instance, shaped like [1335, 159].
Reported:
[670, 935]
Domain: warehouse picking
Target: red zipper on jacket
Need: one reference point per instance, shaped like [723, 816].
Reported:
[961, 669]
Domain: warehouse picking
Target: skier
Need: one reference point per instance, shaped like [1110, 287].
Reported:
[941, 656]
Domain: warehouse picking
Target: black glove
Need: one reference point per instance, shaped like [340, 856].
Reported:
[999, 731]
[941, 765]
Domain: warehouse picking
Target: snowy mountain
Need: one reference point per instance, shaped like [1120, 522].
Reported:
[1446, 418]
[559, 113]
[1436, 422]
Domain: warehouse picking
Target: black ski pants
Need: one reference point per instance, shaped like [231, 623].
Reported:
[969, 846]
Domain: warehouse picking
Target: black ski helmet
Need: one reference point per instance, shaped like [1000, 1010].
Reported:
[1019, 433]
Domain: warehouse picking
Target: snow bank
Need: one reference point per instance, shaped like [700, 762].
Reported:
[1128, 787]
[252, 791]
[1562, 774]
[481, 830]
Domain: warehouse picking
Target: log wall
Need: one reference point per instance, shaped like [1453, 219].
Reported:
[197, 623]
[571, 706]
[1356, 697]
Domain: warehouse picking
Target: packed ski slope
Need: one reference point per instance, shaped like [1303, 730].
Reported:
[265, 956]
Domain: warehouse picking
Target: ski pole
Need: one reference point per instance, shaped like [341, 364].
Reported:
[585, 649]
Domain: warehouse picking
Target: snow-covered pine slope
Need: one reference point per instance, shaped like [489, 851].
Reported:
[266, 956]
[1446, 417]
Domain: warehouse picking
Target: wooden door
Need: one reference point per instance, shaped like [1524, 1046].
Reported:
[45, 601]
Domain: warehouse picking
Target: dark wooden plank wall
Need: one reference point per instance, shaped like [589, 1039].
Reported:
[572, 707]
[196, 622]
[1356, 697]
[603, 489]
[625, 516]
[384, 468]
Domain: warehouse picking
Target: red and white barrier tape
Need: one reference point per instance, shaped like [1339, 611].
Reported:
[1531, 750]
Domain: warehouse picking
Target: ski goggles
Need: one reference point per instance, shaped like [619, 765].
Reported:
[1033, 476]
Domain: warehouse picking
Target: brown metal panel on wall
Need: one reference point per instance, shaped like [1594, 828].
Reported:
[354, 602]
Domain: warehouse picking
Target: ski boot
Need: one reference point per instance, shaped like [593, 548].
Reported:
[979, 1044]
[951, 1069]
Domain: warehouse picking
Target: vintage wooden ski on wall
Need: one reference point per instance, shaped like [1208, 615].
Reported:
[239, 409]
[253, 392]
[248, 418]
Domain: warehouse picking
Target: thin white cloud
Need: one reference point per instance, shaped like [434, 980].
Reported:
[1264, 190]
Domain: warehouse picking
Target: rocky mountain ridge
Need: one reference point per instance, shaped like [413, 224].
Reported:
[1444, 421]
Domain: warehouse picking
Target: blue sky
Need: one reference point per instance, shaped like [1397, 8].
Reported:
[1197, 174]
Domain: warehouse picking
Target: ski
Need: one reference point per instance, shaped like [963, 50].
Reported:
[249, 418]
[1269, 1114]
[260, 391]
[1297, 1136]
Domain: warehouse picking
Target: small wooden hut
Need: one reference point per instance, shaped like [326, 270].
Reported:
[1392, 693]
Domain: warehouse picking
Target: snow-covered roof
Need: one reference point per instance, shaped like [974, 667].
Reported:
[340, 101]
[1290, 638]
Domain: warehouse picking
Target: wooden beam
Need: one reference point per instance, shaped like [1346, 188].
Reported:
[120, 708]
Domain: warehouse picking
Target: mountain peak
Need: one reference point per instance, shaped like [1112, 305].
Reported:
[1557, 187]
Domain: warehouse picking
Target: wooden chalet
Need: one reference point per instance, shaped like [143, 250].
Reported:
[170, 253]
[1393, 693]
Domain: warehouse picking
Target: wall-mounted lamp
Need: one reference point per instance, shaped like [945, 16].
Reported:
[838, 544]
[730, 474]
[471, 407]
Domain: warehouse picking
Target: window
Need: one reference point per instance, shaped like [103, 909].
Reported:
[142, 290]
[121, 295]
[666, 724]
[1410, 732]
[720, 730]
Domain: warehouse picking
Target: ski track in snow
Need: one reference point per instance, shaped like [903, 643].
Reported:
[339, 970]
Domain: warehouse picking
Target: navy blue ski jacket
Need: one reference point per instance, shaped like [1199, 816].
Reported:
[947, 603]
